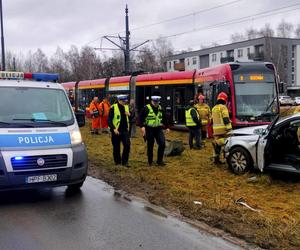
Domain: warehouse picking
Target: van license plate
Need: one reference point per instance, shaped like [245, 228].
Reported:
[41, 178]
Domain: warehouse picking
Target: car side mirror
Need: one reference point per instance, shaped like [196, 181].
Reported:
[295, 123]
[80, 117]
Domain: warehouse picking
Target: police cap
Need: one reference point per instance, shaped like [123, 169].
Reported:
[155, 98]
[122, 97]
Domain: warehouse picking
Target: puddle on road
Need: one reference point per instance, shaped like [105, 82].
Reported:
[187, 227]
[155, 211]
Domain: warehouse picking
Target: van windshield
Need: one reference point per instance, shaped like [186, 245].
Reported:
[34, 107]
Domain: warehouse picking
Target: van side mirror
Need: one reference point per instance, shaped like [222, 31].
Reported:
[80, 117]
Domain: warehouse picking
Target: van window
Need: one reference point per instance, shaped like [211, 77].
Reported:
[37, 107]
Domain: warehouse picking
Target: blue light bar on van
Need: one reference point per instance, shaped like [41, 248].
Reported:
[18, 158]
[45, 77]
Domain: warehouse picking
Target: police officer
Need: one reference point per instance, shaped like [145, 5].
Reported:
[151, 119]
[118, 122]
[193, 123]
[221, 124]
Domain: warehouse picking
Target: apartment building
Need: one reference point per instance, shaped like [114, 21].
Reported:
[283, 52]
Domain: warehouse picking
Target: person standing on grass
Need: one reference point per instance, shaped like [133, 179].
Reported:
[193, 123]
[95, 114]
[118, 122]
[151, 119]
[104, 110]
[205, 115]
[221, 125]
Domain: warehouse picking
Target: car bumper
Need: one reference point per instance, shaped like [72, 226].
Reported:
[65, 176]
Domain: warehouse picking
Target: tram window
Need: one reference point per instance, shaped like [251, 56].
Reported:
[223, 87]
[207, 92]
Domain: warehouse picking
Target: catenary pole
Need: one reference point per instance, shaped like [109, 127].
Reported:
[2, 37]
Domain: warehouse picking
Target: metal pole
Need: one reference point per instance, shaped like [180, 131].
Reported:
[2, 38]
[127, 50]
[14, 63]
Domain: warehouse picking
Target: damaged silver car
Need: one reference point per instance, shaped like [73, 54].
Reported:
[274, 146]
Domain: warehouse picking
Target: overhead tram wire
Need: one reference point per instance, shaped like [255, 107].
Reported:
[233, 21]
[187, 15]
[237, 20]
[171, 19]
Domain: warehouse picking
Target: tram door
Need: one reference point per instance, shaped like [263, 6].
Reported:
[179, 105]
[143, 94]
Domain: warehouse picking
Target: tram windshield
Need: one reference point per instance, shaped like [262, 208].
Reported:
[255, 95]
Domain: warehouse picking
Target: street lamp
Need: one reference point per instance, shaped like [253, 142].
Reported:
[2, 38]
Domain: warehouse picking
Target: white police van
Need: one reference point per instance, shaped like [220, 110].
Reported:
[40, 141]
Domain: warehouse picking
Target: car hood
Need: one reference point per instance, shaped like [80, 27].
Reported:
[248, 131]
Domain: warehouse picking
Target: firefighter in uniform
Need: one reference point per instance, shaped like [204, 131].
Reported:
[205, 115]
[151, 120]
[118, 122]
[193, 123]
[297, 110]
[94, 109]
[221, 124]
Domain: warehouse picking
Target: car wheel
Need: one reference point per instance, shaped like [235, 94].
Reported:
[239, 160]
[76, 186]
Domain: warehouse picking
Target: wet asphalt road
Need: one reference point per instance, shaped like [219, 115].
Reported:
[91, 219]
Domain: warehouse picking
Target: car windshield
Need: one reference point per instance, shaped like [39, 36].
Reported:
[34, 107]
[254, 98]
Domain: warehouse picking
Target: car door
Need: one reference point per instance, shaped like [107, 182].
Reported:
[260, 152]
[261, 145]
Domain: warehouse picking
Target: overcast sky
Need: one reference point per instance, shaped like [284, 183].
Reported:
[46, 24]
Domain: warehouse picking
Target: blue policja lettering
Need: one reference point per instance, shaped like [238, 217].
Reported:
[35, 140]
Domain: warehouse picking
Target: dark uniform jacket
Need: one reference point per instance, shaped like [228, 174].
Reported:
[123, 123]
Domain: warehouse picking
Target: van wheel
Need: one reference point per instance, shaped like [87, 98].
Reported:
[76, 186]
[239, 160]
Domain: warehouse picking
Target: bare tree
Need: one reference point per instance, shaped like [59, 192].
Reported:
[285, 29]
[267, 31]
[73, 58]
[146, 60]
[28, 62]
[40, 61]
[237, 37]
[297, 31]
[59, 64]
[113, 66]
[12, 62]
[162, 48]
[252, 33]
[89, 63]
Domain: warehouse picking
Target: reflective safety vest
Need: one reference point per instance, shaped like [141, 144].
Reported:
[117, 115]
[204, 112]
[153, 120]
[189, 119]
[219, 112]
